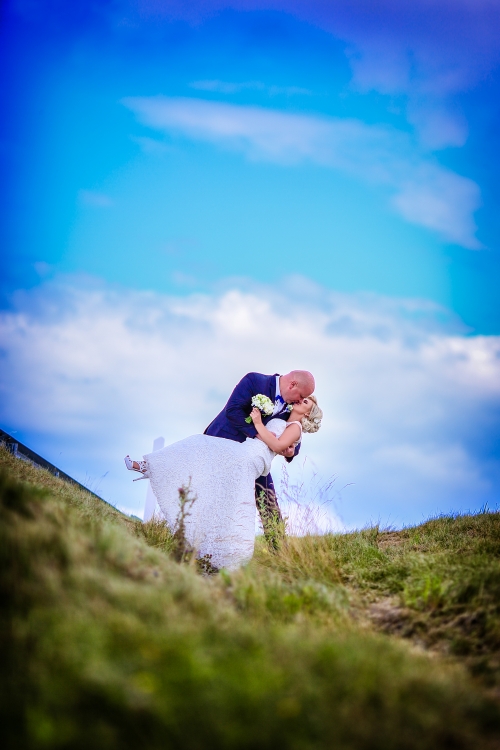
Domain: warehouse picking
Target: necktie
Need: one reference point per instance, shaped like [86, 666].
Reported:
[279, 404]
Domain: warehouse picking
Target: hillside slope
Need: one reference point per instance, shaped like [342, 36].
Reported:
[107, 642]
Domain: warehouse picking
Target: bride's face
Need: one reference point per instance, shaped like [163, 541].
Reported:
[303, 408]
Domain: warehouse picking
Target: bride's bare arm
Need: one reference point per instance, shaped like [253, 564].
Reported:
[287, 453]
[258, 437]
[290, 436]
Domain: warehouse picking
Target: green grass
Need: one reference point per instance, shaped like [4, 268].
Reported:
[438, 583]
[107, 642]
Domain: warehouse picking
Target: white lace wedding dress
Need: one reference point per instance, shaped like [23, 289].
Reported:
[221, 474]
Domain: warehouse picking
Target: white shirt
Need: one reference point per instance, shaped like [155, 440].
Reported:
[277, 404]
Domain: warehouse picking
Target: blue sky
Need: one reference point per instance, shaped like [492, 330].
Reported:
[186, 150]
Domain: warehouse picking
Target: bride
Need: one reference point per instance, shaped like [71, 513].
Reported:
[221, 475]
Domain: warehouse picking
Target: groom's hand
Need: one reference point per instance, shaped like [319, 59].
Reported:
[288, 452]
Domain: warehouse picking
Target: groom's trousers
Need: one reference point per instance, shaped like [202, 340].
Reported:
[267, 504]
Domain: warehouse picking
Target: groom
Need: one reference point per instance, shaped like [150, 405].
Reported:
[230, 424]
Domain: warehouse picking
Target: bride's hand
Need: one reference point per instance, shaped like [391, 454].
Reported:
[256, 416]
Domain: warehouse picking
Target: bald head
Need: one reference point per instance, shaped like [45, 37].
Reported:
[297, 385]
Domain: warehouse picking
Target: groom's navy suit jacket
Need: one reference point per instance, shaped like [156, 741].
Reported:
[230, 423]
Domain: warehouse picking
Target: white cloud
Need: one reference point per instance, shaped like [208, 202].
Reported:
[409, 402]
[428, 52]
[425, 193]
[439, 125]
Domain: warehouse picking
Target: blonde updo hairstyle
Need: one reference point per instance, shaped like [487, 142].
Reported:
[312, 421]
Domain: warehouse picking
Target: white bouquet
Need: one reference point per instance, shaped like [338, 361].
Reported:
[263, 403]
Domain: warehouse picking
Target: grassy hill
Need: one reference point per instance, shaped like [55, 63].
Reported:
[383, 640]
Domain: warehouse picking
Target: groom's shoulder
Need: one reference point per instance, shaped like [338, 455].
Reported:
[258, 375]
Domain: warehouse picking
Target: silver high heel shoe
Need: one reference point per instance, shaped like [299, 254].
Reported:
[143, 468]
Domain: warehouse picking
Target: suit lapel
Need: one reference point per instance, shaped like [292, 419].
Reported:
[270, 391]
[272, 387]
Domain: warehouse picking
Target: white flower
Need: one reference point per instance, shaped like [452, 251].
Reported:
[263, 403]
